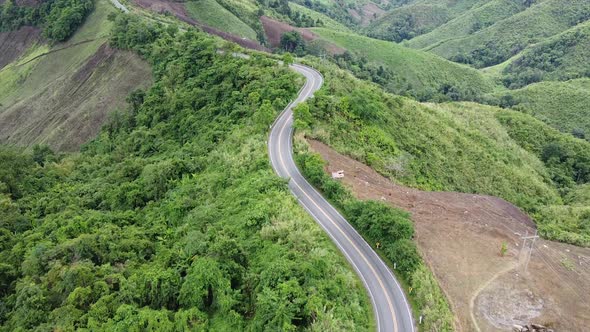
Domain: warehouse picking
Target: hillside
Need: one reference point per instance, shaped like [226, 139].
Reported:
[559, 58]
[468, 23]
[172, 218]
[413, 72]
[415, 18]
[211, 13]
[60, 95]
[463, 147]
[507, 37]
[441, 162]
[562, 105]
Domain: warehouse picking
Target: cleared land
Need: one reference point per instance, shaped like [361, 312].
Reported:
[61, 96]
[460, 236]
[13, 44]
[213, 14]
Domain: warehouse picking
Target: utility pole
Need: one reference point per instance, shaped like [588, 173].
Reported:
[530, 253]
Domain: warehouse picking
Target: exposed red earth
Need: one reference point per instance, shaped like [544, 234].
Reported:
[460, 237]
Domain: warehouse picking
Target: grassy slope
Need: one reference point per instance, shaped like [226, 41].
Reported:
[73, 53]
[418, 17]
[561, 57]
[514, 33]
[211, 13]
[418, 69]
[562, 105]
[465, 23]
[65, 107]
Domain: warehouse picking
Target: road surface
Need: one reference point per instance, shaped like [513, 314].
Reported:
[121, 6]
[391, 309]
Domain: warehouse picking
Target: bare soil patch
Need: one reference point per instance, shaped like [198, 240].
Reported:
[367, 13]
[177, 9]
[370, 12]
[13, 44]
[72, 109]
[460, 236]
[274, 30]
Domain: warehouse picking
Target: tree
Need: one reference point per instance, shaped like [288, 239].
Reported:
[42, 153]
[288, 59]
[264, 114]
[206, 286]
[302, 116]
[403, 252]
[293, 42]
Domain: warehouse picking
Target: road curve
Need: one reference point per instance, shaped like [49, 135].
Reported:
[391, 309]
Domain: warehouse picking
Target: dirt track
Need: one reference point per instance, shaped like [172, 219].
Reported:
[460, 236]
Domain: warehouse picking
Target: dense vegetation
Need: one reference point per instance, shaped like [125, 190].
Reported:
[455, 147]
[567, 160]
[59, 18]
[172, 219]
[380, 223]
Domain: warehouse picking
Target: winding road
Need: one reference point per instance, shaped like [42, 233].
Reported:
[390, 306]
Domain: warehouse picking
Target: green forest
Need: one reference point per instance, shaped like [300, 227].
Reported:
[171, 219]
[58, 18]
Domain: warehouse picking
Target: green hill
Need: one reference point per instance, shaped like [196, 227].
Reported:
[463, 147]
[417, 73]
[211, 13]
[327, 22]
[467, 23]
[416, 18]
[562, 57]
[507, 37]
[562, 105]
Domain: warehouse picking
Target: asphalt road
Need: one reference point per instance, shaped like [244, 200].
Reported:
[392, 311]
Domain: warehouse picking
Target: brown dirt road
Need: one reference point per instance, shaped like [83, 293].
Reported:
[460, 236]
